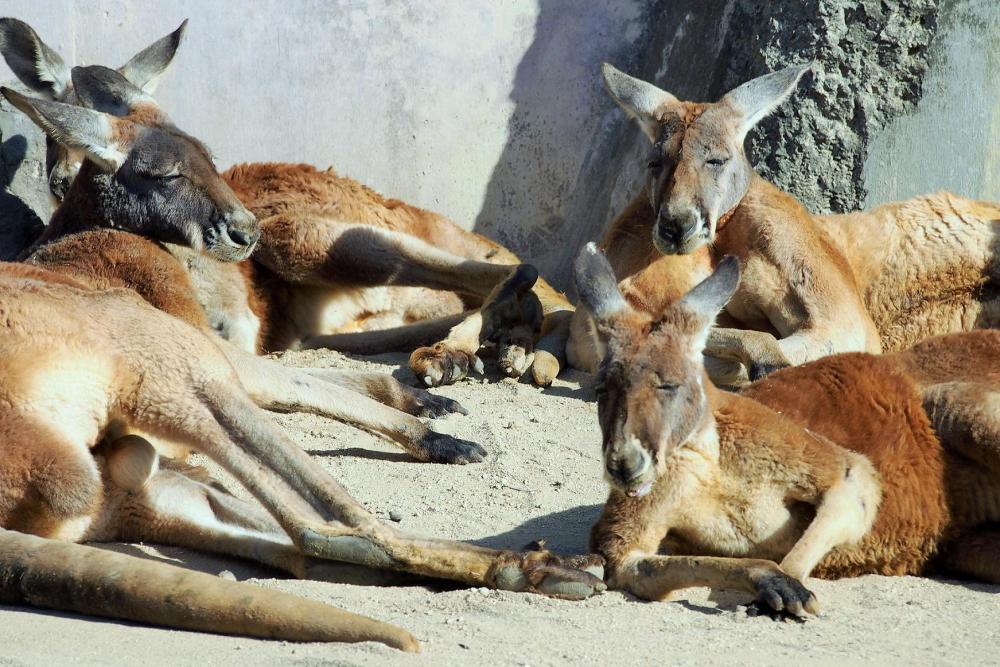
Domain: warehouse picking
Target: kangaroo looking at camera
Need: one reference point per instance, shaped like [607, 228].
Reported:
[710, 488]
[337, 257]
[812, 285]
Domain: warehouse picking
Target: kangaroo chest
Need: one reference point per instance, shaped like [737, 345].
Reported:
[737, 519]
[224, 294]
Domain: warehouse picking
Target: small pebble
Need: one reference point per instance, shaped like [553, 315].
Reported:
[226, 574]
[395, 516]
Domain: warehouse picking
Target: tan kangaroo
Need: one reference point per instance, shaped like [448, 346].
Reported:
[710, 488]
[144, 175]
[812, 285]
[336, 257]
[104, 362]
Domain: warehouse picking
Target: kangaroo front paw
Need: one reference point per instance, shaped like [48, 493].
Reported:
[782, 597]
[515, 351]
[442, 364]
[442, 448]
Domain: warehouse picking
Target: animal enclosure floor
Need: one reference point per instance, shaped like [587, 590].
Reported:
[541, 480]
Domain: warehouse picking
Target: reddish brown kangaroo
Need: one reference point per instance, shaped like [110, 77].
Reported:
[336, 257]
[80, 365]
[813, 285]
[143, 175]
[710, 488]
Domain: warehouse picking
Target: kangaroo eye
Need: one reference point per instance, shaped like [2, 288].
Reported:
[668, 388]
[717, 161]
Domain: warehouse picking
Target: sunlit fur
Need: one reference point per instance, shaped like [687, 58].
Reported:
[906, 485]
[813, 285]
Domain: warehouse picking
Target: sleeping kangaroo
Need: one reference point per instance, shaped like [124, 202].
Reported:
[336, 257]
[144, 175]
[79, 365]
[813, 285]
[728, 485]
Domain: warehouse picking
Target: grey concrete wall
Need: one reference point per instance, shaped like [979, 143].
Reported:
[492, 112]
[952, 139]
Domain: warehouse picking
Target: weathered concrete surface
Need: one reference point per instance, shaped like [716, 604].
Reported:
[952, 140]
[493, 113]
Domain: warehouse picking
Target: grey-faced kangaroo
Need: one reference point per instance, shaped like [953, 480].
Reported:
[346, 259]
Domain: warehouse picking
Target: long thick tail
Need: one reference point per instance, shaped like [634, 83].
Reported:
[70, 577]
[398, 339]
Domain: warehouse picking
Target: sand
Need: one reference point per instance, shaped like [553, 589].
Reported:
[541, 480]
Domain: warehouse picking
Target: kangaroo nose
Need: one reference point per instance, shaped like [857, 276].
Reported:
[241, 226]
[628, 466]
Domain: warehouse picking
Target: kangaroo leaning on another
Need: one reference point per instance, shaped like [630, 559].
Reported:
[141, 174]
[812, 285]
[103, 361]
[336, 257]
[729, 484]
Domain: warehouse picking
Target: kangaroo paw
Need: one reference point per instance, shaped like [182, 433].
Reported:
[442, 364]
[782, 597]
[426, 404]
[566, 577]
[442, 448]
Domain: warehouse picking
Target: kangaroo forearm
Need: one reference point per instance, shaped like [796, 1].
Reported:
[654, 577]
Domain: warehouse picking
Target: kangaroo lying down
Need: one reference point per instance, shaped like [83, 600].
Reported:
[78, 365]
[852, 464]
[337, 265]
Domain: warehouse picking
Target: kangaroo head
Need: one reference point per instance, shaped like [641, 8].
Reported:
[41, 69]
[140, 172]
[651, 393]
[696, 170]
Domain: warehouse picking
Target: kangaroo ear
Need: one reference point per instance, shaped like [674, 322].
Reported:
[99, 135]
[707, 299]
[32, 61]
[103, 89]
[639, 99]
[757, 98]
[596, 284]
[146, 67]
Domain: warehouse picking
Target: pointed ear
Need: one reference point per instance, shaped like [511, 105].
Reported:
[755, 99]
[97, 134]
[707, 299]
[103, 89]
[146, 67]
[596, 283]
[32, 61]
[639, 99]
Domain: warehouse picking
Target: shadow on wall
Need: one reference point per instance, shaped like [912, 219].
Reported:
[19, 225]
[556, 90]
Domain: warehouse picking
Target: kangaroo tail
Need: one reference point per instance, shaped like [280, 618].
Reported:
[49, 574]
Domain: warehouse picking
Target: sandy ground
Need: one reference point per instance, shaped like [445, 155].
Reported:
[541, 480]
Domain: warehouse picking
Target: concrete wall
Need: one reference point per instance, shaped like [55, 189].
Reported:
[952, 139]
[492, 111]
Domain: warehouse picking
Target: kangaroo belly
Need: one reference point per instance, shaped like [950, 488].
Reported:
[751, 523]
[941, 273]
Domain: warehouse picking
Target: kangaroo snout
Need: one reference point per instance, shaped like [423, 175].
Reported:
[679, 230]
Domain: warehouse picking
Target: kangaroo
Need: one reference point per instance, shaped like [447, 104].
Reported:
[731, 484]
[105, 360]
[344, 258]
[813, 285]
[149, 177]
